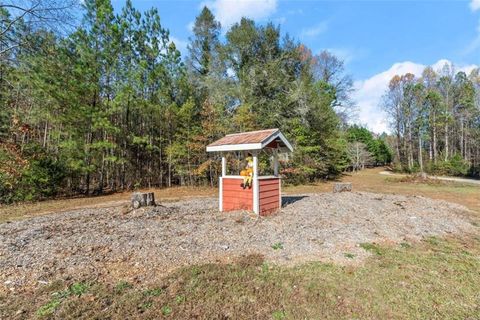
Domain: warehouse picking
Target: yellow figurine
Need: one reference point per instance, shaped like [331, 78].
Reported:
[247, 173]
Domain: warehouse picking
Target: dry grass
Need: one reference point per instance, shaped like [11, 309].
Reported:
[435, 279]
[371, 180]
[368, 180]
[27, 210]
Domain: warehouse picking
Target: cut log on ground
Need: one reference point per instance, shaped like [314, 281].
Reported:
[342, 187]
[140, 199]
[422, 176]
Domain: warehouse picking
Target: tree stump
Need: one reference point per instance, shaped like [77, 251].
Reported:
[140, 199]
[422, 176]
[342, 187]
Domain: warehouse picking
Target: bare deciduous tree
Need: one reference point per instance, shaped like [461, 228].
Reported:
[359, 156]
[329, 68]
[18, 17]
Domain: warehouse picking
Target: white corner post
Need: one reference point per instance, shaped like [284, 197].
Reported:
[275, 162]
[279, 193]
[256, 193]
[224, 166]
[275, 173]
[220, 183]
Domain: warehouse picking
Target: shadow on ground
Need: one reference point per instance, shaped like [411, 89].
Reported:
[288, 200]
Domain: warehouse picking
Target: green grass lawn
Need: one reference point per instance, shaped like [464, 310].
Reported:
[434, 279]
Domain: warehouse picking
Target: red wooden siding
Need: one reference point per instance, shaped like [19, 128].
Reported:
[235, 197]
[269, 196]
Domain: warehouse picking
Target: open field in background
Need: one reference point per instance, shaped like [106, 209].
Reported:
[433, 278]
[369, 180]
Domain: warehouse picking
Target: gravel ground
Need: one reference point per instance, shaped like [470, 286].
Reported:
[114, 243]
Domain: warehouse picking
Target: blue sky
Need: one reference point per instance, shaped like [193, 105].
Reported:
[375, 38]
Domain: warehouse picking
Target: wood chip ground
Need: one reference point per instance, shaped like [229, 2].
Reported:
[111, 244]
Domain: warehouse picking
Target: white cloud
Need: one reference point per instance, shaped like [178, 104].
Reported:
[368, 93]
[230, 11]
[475, 5]
[437, 66]
[315, 30]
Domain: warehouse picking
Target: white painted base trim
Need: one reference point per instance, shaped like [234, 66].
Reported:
[241, 177]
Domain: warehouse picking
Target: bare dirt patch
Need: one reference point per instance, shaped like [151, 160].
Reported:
[140, 245]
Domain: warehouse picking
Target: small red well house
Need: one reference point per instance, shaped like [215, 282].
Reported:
[262, 194]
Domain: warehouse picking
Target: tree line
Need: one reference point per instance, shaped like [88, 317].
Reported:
[112, 105]
[435, 120]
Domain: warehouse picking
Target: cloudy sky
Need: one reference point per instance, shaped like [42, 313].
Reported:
[377, 39]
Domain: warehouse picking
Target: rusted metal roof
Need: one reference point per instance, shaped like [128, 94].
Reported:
[244, 137]
[252, 140]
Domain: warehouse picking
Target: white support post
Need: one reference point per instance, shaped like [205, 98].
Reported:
[220, 184]
[280, 193]
[275, 163]
[224, 166]
[275, 173]
[256, 193]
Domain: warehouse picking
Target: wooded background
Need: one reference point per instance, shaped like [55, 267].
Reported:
[435, 121]
[108, 103]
